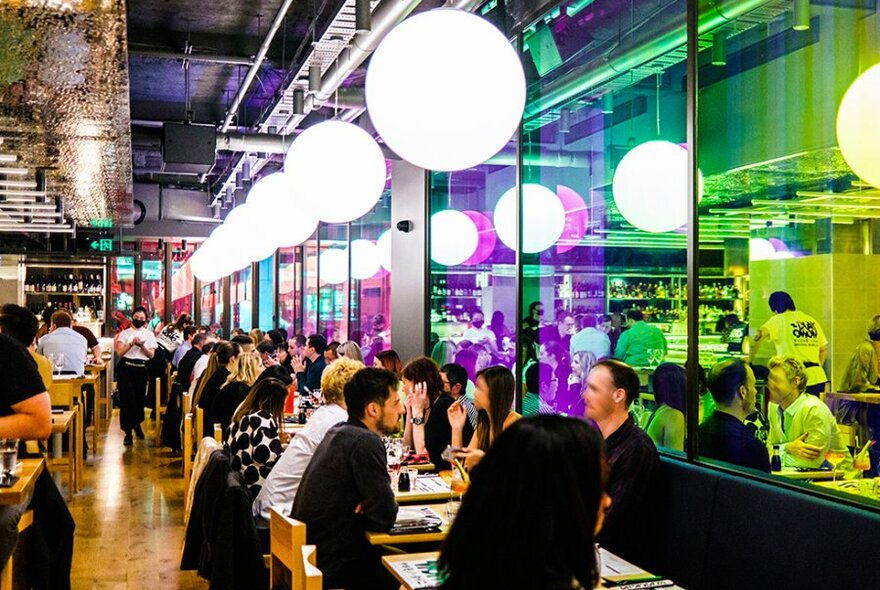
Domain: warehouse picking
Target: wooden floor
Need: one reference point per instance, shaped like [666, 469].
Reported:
[129, 518]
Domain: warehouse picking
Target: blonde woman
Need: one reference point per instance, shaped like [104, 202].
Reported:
[257, 336]
[350, 350]
[280, 487]
[235, 389]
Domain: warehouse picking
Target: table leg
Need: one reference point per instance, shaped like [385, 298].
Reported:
[80, 438]
[57, 444]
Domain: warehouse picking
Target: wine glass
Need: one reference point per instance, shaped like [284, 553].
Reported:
[58, 362]
[834, 457]
[458, 485]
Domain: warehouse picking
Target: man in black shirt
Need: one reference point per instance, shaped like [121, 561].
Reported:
[188, 361]
[25, 409]
[345, 490]
[723, 435]
[310, 369]
[612, 386]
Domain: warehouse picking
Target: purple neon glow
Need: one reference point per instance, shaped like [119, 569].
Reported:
[486, 237]
[577, 217]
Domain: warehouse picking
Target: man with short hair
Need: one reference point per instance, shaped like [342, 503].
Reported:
[591, 339]
[455, 382]
[296, 346]
[612, 386]
[25, 409]
[308, 375]
[724, 436]
[245, 342]
[189, 359]
[560, 332]
[92, 343]
[802, 425]
[345, 490]
[63, 339]
[188, 333]
[539, 384]
[635, 344]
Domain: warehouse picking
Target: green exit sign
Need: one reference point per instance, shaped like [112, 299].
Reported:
[101, 222]
[101, 245]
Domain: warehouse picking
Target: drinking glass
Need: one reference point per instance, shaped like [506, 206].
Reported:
[8, 457]
[834, 457]
[58, 363]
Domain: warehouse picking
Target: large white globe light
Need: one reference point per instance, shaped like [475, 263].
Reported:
[858, 126]
[445, 90]
[383, 245]
[336, 168]
[203, 266]
[761, 249]
[269, 191]
[226, 243]
[454, 237]
[543, 218]
[364, 259]
[650, 186]
[333, 266]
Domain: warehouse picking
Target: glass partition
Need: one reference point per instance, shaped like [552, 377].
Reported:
[266, 294]
[789, 197]
[121, 291]
[241, 306]
[604, 208]
[212, 306]
[152, 285]
[334, 282]
[181, 282]
[290, 272]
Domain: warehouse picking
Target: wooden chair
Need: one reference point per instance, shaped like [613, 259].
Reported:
[312, 578]
[187, 450]
[218, 433]
[6, 575]
[286, 539]
[850, 435]
[186, 406]
[199, 424]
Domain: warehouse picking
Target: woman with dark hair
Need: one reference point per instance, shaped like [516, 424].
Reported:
[493, 397]
[427, 428]
[389, 360]
[171, 337]
[666, 426]
[485, 548]
[796, 334]
[252, 437]
[226, 355]
[499, 329]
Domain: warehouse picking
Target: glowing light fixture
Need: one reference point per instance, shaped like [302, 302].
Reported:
[364, 259]
[858, 126]
[285, 221]
[761, 249]
[427, 81]
[336, 168]
[333, 266]
[650, 186]
[486, 237]
[454, 237]
[383, 246]
[542, 211]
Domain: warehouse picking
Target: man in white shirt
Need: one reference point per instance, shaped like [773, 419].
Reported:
[477, 333]
[135, 346]
[801, 424]
[591, 339]
[62, 339]
[279, 489]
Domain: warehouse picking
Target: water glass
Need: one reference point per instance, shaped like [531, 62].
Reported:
[8, 457]
[59, 361]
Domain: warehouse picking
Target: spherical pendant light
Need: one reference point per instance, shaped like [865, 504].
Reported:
[337, 169]
[761, 249]
[543, 218]
[333, 266]
[364, 259]
[486, 237]
[383, 245]
[650, 186]
[454, 237]
[445, 89]
[577, 218]
[858, 126]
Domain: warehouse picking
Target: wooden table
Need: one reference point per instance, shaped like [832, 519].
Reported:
[863, 488]
[103, 393]
[20, 493]
[792, 473]
[69, 422]
[419, 493]
[418, 570]
[66, 392]
[865, 398]
[432, 537]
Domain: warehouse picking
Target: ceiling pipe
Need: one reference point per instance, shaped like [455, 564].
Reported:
[647, 44]
[199, 57]
[255, 66]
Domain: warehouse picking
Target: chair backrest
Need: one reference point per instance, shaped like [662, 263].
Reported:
[218, 433]
[312, 578]
[849, 434]
[186, 408]
[187, 450]
[64, 393]
[199, 423]
[286, 538]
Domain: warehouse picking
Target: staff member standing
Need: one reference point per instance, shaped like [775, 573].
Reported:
[796, 334]
[135, 346]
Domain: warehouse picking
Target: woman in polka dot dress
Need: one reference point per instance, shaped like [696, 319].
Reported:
[252, 438]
